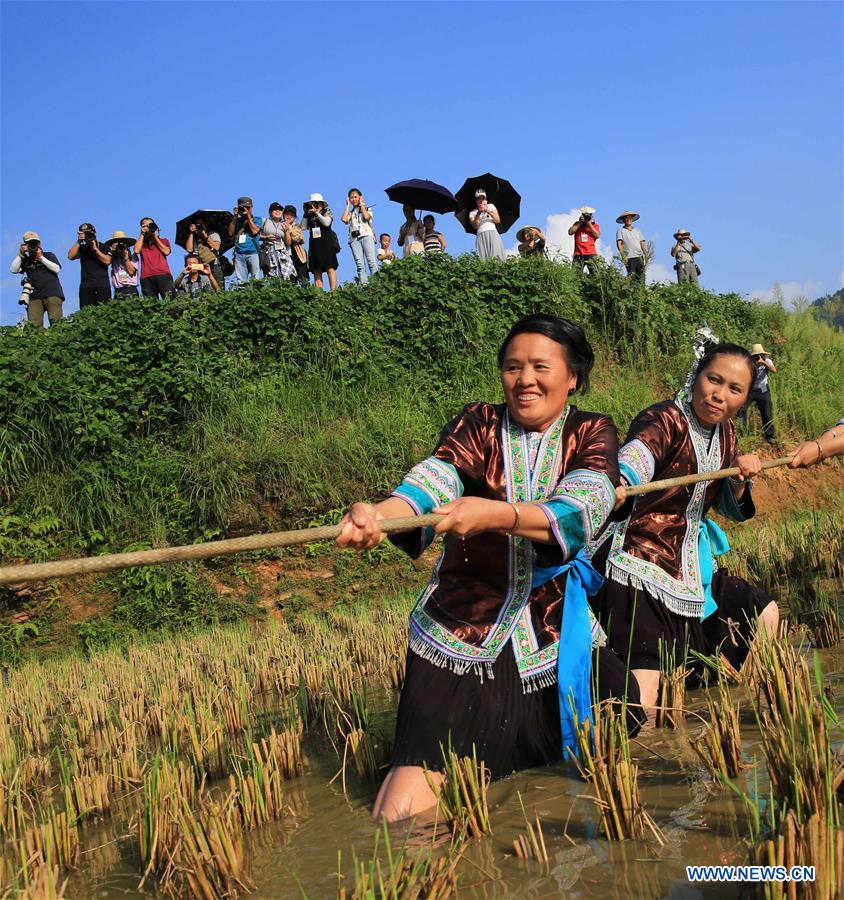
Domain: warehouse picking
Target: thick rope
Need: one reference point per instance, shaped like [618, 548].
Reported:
[63, 568]
[651, 486]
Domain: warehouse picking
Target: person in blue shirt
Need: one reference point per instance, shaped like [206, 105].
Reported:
[244, 229]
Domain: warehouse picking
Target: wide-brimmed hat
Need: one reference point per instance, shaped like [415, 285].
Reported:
[589, 210]
[680, 232]
[758, 350]
[522, 238]
[30, 236]
[627, 213]
[120, 236]
[315, 198]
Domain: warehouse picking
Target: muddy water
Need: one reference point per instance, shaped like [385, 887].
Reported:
[298, 857]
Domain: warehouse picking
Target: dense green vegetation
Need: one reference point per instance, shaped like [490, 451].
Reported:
[147, 422]
[830, 308]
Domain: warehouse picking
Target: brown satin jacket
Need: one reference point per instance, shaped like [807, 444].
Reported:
[480, 596]
[656, 546]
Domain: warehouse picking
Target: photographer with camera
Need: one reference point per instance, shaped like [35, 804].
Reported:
[531, 241]
[361, 236]
[40, 287]
[585, 232]
[325, 245]
[195, 278]
[125, 265]
[156, 277]
[683, 252]
[760, 393]
[244, 229]
[94, 259]
[206, 245]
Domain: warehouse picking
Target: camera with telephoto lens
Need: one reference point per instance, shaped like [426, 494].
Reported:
[88, 237]
[151, 228]
[586, 217]
[26, 291]
[118, 251]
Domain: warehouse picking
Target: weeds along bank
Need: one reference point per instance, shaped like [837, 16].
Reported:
[147, 422]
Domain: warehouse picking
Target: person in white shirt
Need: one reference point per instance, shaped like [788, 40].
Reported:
[483, 220]
[631, 246]
[386, 254]
[407, 232]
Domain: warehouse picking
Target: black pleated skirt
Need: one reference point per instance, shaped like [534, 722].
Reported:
[511, 730]
[635, 621]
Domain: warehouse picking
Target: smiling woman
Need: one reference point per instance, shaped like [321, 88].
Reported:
[663, 594]
[521, 487]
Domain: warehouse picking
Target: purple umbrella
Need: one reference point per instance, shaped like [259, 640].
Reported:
[421, 194]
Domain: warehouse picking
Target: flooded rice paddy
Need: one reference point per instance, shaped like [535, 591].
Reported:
[81, 739]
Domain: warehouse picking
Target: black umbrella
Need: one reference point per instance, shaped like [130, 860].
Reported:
[421, 194]
[499, 192]
[215, 220]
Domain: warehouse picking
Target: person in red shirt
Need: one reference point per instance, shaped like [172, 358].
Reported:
[585, 231]
[156, 277]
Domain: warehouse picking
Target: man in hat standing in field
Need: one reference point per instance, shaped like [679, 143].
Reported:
[683, 252]
[760, 393]
[586, 232]
[631, 246]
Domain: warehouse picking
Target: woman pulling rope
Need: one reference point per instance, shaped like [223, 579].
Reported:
[521, 488]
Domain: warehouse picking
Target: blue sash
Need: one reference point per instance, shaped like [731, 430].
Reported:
[711, 542]
[574, 666]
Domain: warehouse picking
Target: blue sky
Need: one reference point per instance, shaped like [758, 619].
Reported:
[724, 118]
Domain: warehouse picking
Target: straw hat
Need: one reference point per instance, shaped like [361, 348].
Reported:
[625, 214]
[758, 350]
[680, 232]
[589, 210]
[120, 236]
[521, 237]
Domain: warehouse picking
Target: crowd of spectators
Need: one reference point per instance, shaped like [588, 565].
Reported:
[286, 246]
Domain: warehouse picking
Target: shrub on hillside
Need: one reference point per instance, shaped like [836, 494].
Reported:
[106, 374]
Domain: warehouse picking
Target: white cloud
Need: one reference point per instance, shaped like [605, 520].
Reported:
[789, 292]
[659, 274]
